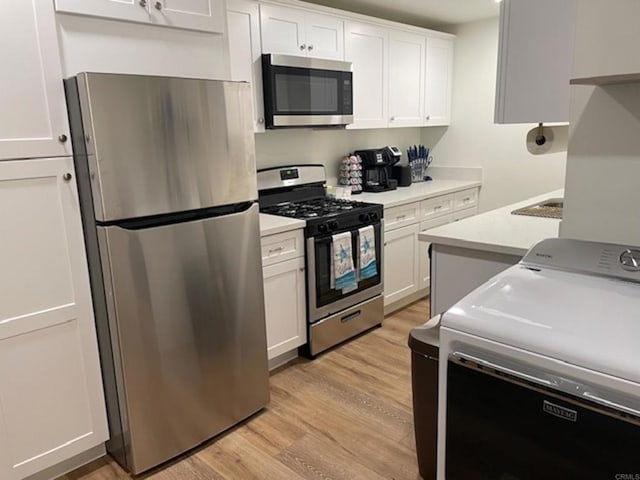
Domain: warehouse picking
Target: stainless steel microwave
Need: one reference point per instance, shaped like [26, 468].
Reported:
[306, 92]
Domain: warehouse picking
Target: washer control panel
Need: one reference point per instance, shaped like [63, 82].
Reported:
[607, 259]
[630, 260]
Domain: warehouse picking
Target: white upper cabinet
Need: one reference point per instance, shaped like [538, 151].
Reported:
[324, 36]
[534, 60]
[130, 10]
[204, 15]
[34, 114]
[606, 39]
[406, 79]
[439, 81]
[367, 47]
[401, 77]
[294, 31]
[282, 30]
[243, 21]
[51, 398]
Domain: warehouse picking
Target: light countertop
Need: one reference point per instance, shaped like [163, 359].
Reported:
[416, 192]
[272, 224]
[498, 230]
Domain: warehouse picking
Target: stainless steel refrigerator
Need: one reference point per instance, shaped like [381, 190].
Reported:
[167, 179]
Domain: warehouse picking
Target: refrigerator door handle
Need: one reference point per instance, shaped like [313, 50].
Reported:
[179, 217]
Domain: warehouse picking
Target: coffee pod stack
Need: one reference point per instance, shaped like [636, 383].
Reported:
[351, 173]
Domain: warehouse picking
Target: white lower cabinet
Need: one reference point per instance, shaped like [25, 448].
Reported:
[51, 398]
[284, 292]
[401, 268]
[406, 259]
[285, 306]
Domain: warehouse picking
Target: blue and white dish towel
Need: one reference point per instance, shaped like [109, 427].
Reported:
[367, 241]
[343, 272]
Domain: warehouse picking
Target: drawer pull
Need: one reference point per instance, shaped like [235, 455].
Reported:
[466, 199]
[275, 250]
[438, 207]
[351, 316]
[400, 217]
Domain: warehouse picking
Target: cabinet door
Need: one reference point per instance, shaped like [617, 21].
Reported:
[406, 79]
[34, 113]
[439, 76]
[285, 306]
[243, 21]
[282, 30]
[424, 248]
[534, 64]
[401, 268]
[205, 15]
[324, 36]
[131, 10]
[366, 46]
[51, 398]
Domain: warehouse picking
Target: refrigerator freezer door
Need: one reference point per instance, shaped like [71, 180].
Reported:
[157, 145]
[188, 304]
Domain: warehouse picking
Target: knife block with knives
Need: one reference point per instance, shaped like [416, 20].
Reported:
[419, 161]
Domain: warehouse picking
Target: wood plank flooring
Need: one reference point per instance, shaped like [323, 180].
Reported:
[345, 416]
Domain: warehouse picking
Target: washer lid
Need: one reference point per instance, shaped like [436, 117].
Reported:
[587, 320]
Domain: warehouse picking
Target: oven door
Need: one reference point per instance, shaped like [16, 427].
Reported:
[502, 424]
[325, 300]
[300, 91]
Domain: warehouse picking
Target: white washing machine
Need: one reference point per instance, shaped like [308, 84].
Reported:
[539, 375]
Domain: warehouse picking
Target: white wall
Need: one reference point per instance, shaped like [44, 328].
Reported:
[100, 45]
[283, 147]
[510, 172]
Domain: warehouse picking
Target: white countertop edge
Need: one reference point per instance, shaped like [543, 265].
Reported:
[508, 234]
[272, 224]
[410, 196]
[471, 245]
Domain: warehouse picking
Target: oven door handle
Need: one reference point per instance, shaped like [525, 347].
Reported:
[462, 357]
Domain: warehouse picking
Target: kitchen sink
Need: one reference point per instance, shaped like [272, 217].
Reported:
[551, 208]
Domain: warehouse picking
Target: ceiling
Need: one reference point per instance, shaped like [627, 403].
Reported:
[424, 13]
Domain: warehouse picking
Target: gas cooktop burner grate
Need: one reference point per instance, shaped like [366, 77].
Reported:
[320, 207]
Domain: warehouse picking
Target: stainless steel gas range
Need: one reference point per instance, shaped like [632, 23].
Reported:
[333, 314]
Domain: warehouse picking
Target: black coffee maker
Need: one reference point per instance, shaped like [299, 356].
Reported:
[376, 168]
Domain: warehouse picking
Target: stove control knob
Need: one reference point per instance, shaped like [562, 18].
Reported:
[333, 225]
[363, 217]
[373, 216]
[630, 260]
[323, 228]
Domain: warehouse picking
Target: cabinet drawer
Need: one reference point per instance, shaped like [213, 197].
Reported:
[436, 222]
[436, 207]
[282, 246]
[467, 212]
[403, 215]
[466, 199]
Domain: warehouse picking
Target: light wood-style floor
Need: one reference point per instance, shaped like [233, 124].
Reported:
[345, 416]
